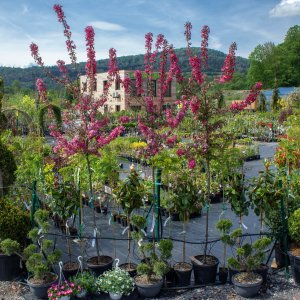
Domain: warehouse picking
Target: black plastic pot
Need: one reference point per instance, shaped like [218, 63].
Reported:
[196, 214]
[263, 271]
[175, 216]
[70, 272]
[148, 290]
[205, 273]
[9, 267]
[280, 256]
[170, 278]
[40, 290]
[246, 290]
[183, 275]
[130, 268]
[223, 275]
[295, 267]
[105, 263]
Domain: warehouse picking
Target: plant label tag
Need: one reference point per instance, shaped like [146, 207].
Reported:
[244, 226]
[107, 190]
[123, 232]
[94, 239]
[167, 220]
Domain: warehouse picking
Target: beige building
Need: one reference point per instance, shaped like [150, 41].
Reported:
[118, 100]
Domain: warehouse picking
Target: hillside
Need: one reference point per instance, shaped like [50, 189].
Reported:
[27, 76]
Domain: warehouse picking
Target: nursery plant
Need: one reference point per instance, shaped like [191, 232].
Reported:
[63, 290]
[116, 282]
[154, 265]
[86, 280]
[249, 258]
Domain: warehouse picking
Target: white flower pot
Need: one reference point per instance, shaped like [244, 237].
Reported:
[114, 296]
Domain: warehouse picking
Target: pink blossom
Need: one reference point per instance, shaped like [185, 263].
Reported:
[229, 64]
[147, 57]
[174, 67]
[124, 119]
[192, 164]
[204, 44]
[195, 64]
[195, 104]
[149, 104]
[42, 90]
[35, 54]
[188, 35]
[138, 82]
[112, 63]
[181, 152]
[127, 85]
[171, 140]
[91, 65]
[62, 68]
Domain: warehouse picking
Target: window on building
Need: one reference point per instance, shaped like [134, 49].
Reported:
[84, 86]
[153, 87]
[117, 84]
[118, 108]
[168, 91]
[95, 86]
[104, 84]
[135, 107]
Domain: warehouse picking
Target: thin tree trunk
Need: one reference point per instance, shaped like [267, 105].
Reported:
[92, 198]
[207, 203]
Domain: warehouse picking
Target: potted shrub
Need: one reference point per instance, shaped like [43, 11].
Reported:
[40, 257]
[185, 199]
[153, 267]
[63, 291]
[224, 227]
[86, 281]
[14, 225]
[116, 282]
[294, 253]
[129, 195]
[249, 258]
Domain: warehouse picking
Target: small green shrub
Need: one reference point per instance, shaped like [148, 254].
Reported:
[9, 247]
[294, 226]
[86, 281]
[14, 222]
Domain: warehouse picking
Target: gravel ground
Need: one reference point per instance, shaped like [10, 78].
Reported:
[277, 288]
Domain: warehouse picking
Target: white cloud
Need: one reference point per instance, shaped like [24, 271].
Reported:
[102, 25]
[214, 42]
[286, 8]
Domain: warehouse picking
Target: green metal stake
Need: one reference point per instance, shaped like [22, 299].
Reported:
[285, 232]
[34, 203]
[157, 207]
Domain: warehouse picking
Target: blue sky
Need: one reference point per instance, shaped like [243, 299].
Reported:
[122, 24]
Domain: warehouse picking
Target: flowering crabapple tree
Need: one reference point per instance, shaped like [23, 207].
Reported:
[207, 140]
[86, 130]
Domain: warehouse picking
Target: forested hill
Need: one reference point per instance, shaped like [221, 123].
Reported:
[27, 76]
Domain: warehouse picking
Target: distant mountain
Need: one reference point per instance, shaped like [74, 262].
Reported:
[27, 76]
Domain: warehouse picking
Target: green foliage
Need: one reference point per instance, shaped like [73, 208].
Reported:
[56, 111]
[115, 281]
[275, 99]
[294, 226]
[156, 258]
[131, 192]
[138, 221]
[9, 247]
[224, 227]
[39, 255]
[249, 257]
[7, 168]
[14, 222]
[262, 104]
[279, 64]
[86, 281]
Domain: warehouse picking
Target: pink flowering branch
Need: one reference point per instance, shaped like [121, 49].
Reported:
[204, 44]
[91, 65]
[229, 64]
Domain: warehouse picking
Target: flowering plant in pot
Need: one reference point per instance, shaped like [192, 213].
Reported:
[249, 258]
[294, 253]
[63, 291]
[153, 266]
[86, 280]
[116, 282]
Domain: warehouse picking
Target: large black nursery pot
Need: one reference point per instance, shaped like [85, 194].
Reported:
[223, 275]
[280, 256]
[70, 269]
[295, 266]
[40, 290]
[105, 264]
[148, 290]
[205, 272]
[9, 267]
[263, 271]
[170, 278]
[130, 268]
[245, 289]
[183, 272]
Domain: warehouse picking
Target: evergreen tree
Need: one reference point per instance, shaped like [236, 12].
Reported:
[275, 99]
[262, 106]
